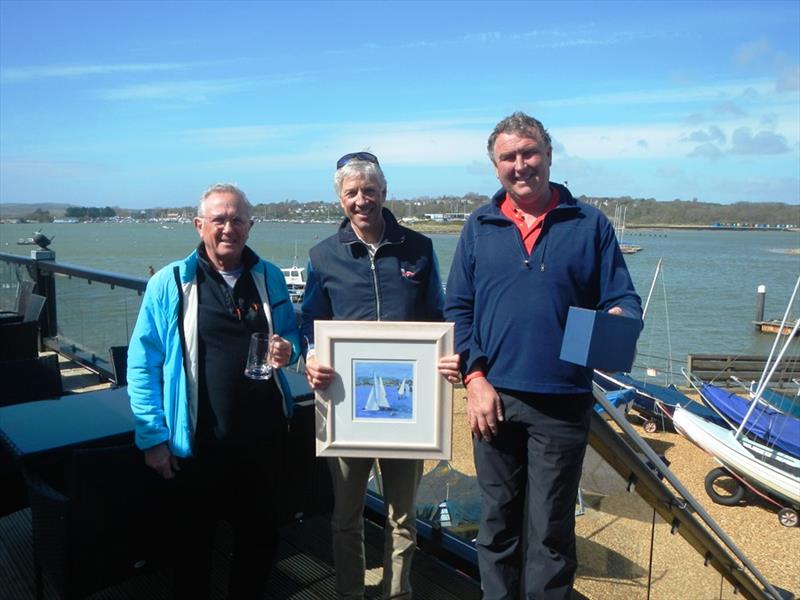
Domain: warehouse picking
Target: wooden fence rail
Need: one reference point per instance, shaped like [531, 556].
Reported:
[720, 367]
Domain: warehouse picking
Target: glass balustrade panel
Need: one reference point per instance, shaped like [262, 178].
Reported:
[94, 316]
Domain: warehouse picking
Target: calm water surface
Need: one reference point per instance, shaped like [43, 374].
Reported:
[704, 303]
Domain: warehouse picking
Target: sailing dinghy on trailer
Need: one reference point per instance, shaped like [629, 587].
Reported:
[757, 465]
[766, 424]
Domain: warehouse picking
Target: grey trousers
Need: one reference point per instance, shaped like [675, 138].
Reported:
[400, 480]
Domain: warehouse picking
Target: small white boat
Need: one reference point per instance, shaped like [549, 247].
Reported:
[764, 467]
[377, 396]
[295, 282]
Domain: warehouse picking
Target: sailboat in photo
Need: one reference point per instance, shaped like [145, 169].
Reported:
[404, 388]
[377, 396]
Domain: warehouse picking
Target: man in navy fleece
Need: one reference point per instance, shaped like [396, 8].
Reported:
[521, 262]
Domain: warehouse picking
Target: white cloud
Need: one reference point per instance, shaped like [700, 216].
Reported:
[20, 74]
[707, 150]
[717, 93]
[788, 80]
[714, 134]
[753, 52]
[235, 137]
[620, 140]
[728, 108]
[764, 142]
[182, 91]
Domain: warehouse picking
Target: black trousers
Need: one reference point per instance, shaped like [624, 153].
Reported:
[529, 476]
[242, 485]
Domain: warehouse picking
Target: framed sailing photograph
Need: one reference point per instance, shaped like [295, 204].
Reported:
[387, 399]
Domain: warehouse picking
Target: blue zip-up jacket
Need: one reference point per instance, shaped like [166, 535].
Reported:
[343, 283]
[510, 308]
[163, 351]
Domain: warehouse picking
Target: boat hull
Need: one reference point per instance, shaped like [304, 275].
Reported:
[767, 424]
[740, 456]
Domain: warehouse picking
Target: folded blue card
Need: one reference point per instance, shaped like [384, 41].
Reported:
[600, 340]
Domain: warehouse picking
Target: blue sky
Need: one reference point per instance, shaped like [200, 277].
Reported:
[140, 104]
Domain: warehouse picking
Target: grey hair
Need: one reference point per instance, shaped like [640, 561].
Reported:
[224, 188]
[518, 123]
[359, 168]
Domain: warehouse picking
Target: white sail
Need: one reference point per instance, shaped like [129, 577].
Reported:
[401, 391]
[383, 403]
[377, 396]
[372, 401]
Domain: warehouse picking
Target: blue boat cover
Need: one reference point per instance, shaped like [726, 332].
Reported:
[647, 393]
[772, 427]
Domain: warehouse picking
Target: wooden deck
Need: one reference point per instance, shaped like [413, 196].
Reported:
[304, 570]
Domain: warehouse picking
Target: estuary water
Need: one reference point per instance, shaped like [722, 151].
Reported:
[704, 302]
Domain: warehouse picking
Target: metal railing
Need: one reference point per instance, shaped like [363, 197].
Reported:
[86, 312]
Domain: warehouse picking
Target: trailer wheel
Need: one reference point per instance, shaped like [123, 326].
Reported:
[788, 517]
[723, 488]
[650, 426]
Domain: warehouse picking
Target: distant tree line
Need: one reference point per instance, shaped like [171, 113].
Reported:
[638, 211]
[682, 212]
[89, 212]
[40, 216]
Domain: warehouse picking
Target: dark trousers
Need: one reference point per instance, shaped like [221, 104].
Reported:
[241, 485]
[529, 476]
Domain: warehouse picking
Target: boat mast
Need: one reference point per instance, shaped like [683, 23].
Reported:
[652, 286]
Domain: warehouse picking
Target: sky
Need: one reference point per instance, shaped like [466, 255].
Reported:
[145, 104]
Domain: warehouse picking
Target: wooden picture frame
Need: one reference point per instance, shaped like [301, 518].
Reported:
[388, 399]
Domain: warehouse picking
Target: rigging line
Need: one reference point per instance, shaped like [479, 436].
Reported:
[666, 316]
[650, 561]
[764, 380]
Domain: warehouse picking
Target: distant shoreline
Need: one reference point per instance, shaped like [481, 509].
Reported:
[455, 227]
[432, 226]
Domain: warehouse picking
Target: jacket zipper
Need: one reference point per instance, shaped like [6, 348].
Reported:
[375, 283]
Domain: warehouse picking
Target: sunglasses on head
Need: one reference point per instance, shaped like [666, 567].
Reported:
[366, 156]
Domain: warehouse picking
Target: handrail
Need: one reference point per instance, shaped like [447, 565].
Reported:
[91, 275]
[42, 271]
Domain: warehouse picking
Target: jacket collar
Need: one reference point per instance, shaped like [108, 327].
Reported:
[250, 260]
[565, 202]
[392, 232]
[565, 199]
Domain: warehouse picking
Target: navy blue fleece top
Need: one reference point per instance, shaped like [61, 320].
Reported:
[510, 308]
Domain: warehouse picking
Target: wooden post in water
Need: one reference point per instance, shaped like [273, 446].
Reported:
[761, 294]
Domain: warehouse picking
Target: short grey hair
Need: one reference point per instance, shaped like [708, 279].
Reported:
[359, 168]
[224, 188]
[521, 124]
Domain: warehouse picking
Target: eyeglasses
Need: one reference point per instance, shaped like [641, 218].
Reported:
[219, 222]
[366, 156]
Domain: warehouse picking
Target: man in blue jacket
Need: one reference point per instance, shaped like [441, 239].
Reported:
[372, 269]
[521, 262]
[217, 436]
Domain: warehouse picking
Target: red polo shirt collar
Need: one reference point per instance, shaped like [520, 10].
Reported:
[529, 234]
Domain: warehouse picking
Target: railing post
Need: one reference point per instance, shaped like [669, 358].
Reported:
[46, 286]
